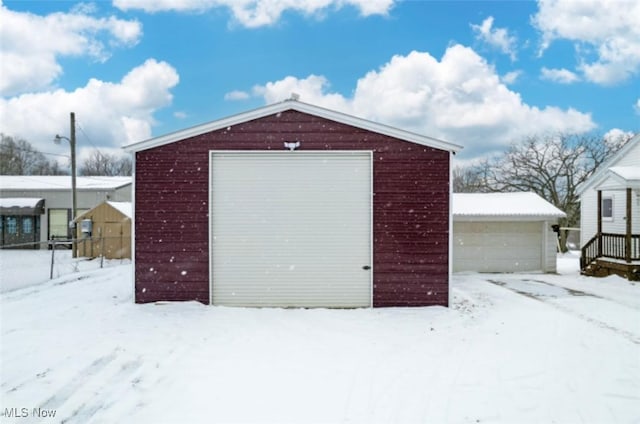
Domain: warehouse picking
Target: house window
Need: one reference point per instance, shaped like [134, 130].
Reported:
[607, 208]
[27, 225]
[12, 225]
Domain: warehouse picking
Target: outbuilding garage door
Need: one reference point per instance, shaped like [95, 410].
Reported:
[291, 229]
[497, 246]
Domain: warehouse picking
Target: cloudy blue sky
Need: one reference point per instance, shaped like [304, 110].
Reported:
[481, 74]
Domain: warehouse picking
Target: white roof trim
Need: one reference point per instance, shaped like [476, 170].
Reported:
[300, 107]
[603, 169]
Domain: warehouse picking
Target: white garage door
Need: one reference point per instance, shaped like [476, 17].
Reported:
[291, 229]
[497, 246]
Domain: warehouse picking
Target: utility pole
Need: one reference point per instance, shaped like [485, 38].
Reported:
[72, 142]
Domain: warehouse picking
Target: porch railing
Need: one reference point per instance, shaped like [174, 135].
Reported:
[610, 245]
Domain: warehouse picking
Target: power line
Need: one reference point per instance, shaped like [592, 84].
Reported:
[79, 126]
[37, 151]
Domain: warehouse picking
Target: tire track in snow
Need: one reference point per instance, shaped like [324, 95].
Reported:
[546, 300]
[25, 382]
[78, 382]
[95, 387]
[103, 398]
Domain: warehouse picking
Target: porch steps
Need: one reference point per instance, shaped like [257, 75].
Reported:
[603, 268]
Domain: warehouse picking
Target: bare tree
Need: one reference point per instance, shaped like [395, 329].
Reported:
[552, 166]
[19, 157]
[467, 180]
[105, 164]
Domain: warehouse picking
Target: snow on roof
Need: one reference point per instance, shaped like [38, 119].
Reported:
[20, 202]
[628, 173]
[60, 182]
[521, 204]
[620, 178]
[123, 207]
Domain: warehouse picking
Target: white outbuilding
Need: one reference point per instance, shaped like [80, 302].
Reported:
[504, 232]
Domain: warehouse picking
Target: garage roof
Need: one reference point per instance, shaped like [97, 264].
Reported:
[519, 205]
[292, 104]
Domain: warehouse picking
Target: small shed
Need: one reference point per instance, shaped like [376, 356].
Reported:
[293, 205]
[105, 229]
[504, 232]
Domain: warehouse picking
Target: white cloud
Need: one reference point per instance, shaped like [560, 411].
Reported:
[615, 135]
[236, 95]
[312, 89]
[498, 38]
[562, 76]
[257, 13]
[32, 44]
[637, 106]
[180, 114]
[459, 98]
[511, 77]
[606, 35]
[107, 113]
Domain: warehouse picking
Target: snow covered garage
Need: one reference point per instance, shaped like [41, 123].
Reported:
[504, 232]
[292, 205]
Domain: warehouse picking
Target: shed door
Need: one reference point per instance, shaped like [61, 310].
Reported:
[291, 229]
[497, 246]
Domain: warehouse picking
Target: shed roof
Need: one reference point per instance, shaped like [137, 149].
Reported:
[123, 207]
[60, 182]
[300, 107]
[517, 205]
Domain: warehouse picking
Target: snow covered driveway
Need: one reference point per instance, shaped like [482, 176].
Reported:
[525, 349]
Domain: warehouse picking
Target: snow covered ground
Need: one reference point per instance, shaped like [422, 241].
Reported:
[513, 348]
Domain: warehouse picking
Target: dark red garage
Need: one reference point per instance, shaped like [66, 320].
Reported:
[293, 205]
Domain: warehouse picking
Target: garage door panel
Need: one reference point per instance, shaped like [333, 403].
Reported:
[291, 228]
[497, 246]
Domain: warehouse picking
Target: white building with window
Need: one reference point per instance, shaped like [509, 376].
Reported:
[37, 208]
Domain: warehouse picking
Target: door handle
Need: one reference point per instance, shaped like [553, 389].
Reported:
[366, 267]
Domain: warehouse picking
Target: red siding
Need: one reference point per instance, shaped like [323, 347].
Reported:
[410, 217]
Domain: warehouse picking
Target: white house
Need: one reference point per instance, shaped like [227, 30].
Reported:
[504, 232]
[610, 215]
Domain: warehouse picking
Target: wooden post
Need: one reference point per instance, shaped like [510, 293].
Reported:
[627, 238]
[53, 252]
[599, 231]
[101, 251]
